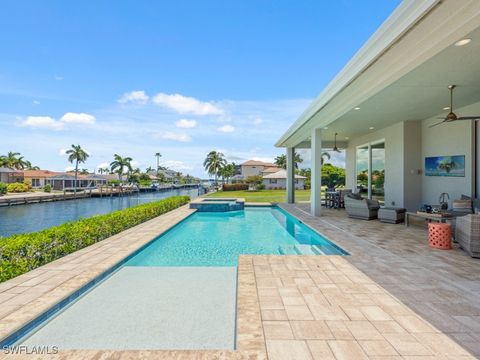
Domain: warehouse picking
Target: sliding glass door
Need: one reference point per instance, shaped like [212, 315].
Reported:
[370, 170]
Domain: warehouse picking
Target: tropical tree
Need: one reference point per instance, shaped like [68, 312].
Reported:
[29, 166]
[120, 164]
[324, 155]
[228, 171]
[84, 172]
[281, 160]
[150, 169]
[158, 156]
[78, 156]
[13, 160]
[214, 162]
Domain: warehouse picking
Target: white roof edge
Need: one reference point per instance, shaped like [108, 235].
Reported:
[403, 18]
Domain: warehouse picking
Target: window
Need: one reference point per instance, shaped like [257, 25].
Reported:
[273, 181]
[296, 181]
[370, 170]
[36, 182]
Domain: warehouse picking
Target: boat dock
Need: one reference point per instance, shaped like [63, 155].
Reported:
[71, 194]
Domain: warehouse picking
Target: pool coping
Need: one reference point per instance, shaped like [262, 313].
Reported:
[44, 304]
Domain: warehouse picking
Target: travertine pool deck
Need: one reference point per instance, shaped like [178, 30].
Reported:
[392, 298]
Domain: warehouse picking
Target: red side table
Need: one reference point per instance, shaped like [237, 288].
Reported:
[440, 236]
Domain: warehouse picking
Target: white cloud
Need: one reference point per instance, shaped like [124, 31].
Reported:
[103, 165]
[257, 121]
[62, 152]
[36, 102]
[136, 97]
[58, 77]
[70, 168]
[41, 122]
[186, 124]
[176, 165]
[186, 105]
[78, 118]
[135, 163]
[176, 136]
[226, 129]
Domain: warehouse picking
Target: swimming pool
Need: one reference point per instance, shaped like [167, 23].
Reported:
[179, 291]
[218, 238]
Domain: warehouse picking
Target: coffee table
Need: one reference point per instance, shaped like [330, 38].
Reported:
[439, 217]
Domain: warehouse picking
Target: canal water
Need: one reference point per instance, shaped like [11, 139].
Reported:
[33, 217]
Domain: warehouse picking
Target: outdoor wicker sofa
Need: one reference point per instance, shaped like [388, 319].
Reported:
[467, 234]
[359, 208]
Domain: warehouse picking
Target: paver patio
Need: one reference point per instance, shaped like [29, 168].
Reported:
[392, 298]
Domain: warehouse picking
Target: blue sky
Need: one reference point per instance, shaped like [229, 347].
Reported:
[179, 77]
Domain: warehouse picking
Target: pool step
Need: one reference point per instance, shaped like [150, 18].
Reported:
[287, 250]
[308, 250]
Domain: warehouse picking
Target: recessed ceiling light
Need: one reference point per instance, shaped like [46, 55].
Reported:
[371, 128]
[356, 108]
[446, 108]
[463, 42]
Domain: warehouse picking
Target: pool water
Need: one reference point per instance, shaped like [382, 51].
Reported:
[217, 239]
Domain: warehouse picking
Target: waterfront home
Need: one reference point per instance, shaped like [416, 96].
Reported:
[391, 108]
[8, 175]
[255, 168]
[278, 180]
[38, 178]
[64, 181]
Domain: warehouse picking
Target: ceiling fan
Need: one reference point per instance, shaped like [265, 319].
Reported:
[335, 148]
[451, 116]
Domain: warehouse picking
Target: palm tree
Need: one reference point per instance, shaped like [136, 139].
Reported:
[326, 155]
[84, 172]
[119, 165]
[149, 169]
[78, 155]
[281, 160]
[214, 162]
[13, 160]
[29, 166]
[228, 171]
[158, 156]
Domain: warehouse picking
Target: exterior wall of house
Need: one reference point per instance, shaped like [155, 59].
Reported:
[406, 146]
[41, 181]
[412, 174]
[394, 161]
[282, 184]
[449, 139]
[252, 170]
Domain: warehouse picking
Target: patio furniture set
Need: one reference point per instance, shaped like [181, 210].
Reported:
[460, 222]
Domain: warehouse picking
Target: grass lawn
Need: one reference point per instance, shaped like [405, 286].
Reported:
[263, 195]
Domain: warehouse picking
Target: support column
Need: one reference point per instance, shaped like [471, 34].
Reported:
[316, 174]
[291, 175]
[370, 171]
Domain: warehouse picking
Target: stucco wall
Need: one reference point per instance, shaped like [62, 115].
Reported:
[282, 184]
[449, 139]
[394, 165]
[251, 170]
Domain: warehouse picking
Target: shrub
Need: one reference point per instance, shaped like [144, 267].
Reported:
[113, 182]
[47, 188]
[28, 184]
[261, 187]
[24, 252]
[234, 187]
[17, 187]
[3, 188]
